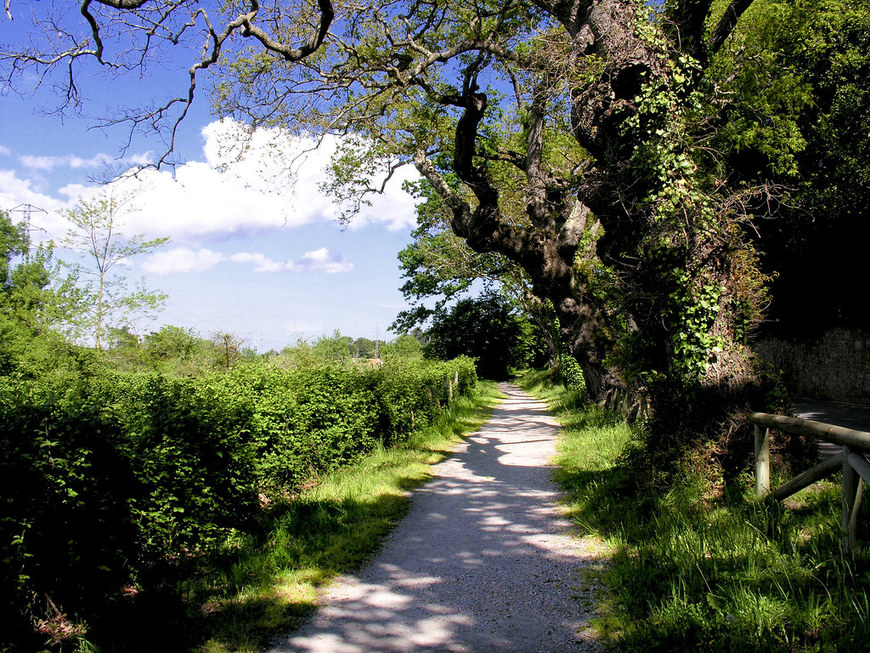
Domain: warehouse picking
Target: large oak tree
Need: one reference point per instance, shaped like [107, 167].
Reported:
[577, 139]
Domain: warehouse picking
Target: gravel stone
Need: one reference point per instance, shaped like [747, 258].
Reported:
[482, 562]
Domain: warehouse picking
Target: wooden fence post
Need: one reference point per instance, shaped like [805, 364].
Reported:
[852, 493]
[762, 460]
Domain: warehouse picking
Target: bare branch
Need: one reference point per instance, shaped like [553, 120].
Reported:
[145, 25]
[123, 4]
[290, 53]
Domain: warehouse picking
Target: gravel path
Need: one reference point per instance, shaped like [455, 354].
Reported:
[481, 563]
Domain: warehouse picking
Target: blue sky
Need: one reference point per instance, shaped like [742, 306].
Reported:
[260, 256]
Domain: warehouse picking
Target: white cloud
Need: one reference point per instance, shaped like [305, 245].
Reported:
[394, 208]
[261, 262]
[220, 197]
[322, 260]
[266, 182]
[182, 259]
[77, 162]
[5, 151]
[14, 191]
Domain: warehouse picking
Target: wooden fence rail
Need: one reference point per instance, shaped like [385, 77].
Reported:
[851, 461]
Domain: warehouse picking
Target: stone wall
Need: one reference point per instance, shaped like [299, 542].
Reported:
[834, 366]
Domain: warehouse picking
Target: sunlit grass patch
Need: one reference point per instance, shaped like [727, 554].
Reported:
[695, 570]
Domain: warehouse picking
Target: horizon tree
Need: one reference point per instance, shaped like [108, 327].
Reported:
[95, 234]
[439, 267]
[485, 328]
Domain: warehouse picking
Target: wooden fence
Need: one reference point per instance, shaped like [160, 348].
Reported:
[850, 461]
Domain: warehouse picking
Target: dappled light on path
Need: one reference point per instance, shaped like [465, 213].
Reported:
[482, 562]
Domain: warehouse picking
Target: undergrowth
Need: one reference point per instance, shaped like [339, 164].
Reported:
[692, 568]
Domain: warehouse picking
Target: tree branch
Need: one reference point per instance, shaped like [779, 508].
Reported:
[536, 207]
[689, 23]
[327, 13]
[460, 209]
[727, 23]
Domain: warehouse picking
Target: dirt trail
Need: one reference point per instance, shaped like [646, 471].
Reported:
[481, 563]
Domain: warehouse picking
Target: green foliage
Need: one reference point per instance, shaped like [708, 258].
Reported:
[692, 308]
[112, 479]
[178, 351]
[439, 268]
[823, 220]
[415, 391]
[329, 529]
[36, 305]
[172, 343]
[570, 372]
[33, 291]
[406, 346]
[796, 78]
[485, 328]
[365, 348]
[438, 264]
[227, 349]
[333, 349]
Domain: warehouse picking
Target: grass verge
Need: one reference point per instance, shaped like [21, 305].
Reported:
[330, 529]
[690, 569]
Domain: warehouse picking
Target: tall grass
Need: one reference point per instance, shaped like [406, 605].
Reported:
[691, 568]
[330, 528]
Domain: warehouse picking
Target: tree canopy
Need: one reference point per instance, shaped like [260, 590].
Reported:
[38, 301]
[34, 289]
[827, 63]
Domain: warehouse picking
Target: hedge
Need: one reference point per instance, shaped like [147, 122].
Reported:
[109, 479]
